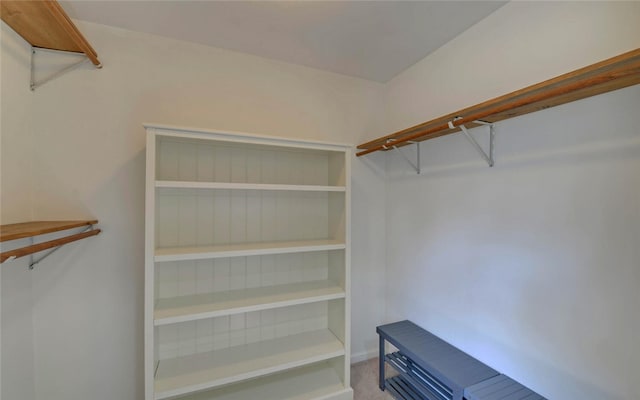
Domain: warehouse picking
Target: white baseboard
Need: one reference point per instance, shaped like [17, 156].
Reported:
[364, 356]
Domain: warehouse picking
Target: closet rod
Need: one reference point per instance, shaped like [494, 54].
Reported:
[25, 251]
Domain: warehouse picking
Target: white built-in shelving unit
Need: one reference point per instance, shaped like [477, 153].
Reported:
[247, 267]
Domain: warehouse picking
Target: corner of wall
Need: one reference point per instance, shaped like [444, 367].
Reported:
[16, 205]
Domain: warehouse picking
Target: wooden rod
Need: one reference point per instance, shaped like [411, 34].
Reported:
[25, 251]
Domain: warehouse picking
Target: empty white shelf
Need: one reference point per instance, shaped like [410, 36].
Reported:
[247, 186]
[209, 305]
[313, 382]
[202, 371]
[278, 198]
[245, 249]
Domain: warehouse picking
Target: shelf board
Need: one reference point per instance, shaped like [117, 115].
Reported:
[45, 24]
[313, 382]
[244, 249]
[210, 305]
[30, 229]
[182, 375]
[612, 74]
[247, 186]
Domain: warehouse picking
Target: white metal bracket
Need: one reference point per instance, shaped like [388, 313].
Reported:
[415, 165]
[487, 157]
[33, 84]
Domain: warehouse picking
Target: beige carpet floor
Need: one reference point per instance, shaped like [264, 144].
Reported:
[364, 381]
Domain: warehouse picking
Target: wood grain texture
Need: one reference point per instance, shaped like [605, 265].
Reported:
[45, 24]
[25, 251]
[35, 228]
[608, 75]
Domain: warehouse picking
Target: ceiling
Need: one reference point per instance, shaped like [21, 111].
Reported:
[374, 40]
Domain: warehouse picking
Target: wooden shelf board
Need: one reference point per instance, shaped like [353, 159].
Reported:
[45, 24]
[244, 249]
[612, 74]
[30, 229]
[313, 382]
[182, 375]
[247, 186]
[210, 305]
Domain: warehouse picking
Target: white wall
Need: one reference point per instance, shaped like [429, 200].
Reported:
[16, 142]
[531, 266]
[520, 44]
[88, 160]
[539, 251]
[16, 108]
[368, 268]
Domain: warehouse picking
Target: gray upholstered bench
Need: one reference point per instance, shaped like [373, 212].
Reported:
[431, 369]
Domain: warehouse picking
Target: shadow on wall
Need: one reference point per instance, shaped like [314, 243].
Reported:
[88, 297]
[123, 199]
[368, 256]
[593, 151]
[564, 135]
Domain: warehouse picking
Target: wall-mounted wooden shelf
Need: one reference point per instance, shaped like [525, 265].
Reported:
[45, 24]
[35, 228]
[612, 74]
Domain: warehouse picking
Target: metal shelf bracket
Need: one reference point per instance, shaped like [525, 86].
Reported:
[33, 262]
[417, 166]
[33, 84]
[487, 157]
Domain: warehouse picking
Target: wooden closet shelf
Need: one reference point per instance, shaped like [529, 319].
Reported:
[35, 228]
[612, 74]
[45, 24]
[30, 229]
